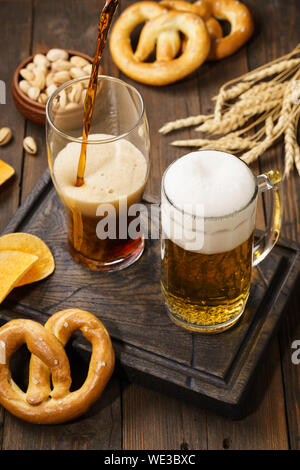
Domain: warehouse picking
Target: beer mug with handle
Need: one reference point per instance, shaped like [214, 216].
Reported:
[208, 209]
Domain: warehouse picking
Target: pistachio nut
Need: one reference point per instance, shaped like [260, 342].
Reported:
[75, 93]
[27, 74]
[50, 89]
[29, 145]
[57, 54]
[43, 98]
[24, 86]
[78, 61]
[41, 59]
[39, 80]
[61, 77]
[76, 72]
[34, 93]
[87, 69]
[59, 65]
[5, 135]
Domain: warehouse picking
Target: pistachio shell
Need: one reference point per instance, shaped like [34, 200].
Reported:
[39, 80]
[50, 79]
[87, 69]
[61, 77]
[62, 98]
[5, 135]
[24, 86]
[34, 93]
[30, 66]
[41, 59]
[57, 54]
[29, 145]
[59, 65]
[76, 72]
[50, 89]
[75, 93]
[27, 74]
[78, 61]
[43, 98]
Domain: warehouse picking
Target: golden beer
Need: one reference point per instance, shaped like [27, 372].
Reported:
[208, 209]
[206, 289]
[208, 217]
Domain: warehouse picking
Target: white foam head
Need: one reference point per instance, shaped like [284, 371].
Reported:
[114, 170]
[218, 188]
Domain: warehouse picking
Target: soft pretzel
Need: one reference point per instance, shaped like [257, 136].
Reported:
[158, 20]
[201, 8]
[233, 11]
[40, 404]
[241, 24]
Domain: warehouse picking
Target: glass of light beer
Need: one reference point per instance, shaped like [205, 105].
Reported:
[116, 172]
[208, 209]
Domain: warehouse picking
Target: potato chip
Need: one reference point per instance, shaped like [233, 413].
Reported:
[13, 266]
[33, 245]
[6, 172]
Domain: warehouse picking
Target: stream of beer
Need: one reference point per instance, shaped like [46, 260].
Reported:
[89, 102]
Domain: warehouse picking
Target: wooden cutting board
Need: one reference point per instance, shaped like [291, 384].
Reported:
[212, 371]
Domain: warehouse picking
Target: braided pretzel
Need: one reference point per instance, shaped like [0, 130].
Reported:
[158, 20]
[233, 11]
[200, 8]
[241, 24]
[40, 404]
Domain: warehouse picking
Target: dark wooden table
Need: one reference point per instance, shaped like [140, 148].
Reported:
[130, 416]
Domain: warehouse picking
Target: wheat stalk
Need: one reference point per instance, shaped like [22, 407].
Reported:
[266, 99]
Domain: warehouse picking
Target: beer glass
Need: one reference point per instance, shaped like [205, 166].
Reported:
[207, 246]
[116, 172]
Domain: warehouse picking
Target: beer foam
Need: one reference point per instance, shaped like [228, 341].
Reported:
[219, 181]
[114, 170]
[220, 185]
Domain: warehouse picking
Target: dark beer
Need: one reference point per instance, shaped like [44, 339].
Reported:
[86, 248]
[115, 177]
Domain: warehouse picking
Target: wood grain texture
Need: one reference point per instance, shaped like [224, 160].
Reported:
[276, 42]
[17, 16]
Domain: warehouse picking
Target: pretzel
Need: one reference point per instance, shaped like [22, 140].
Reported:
[40, 404]
[241, 24]
[233, 11]
[158, 21]
[201, 8]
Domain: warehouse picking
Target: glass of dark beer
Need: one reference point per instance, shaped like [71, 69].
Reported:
[116, 172]
[208, 209]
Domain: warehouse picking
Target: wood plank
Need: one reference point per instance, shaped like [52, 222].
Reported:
[153, 421]
[264, 428]
[14, 47]
[276, 42]
[100, 428]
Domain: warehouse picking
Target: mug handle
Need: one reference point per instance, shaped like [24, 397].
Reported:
[270, 180]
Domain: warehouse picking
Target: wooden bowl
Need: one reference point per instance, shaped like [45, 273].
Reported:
[31, 109]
